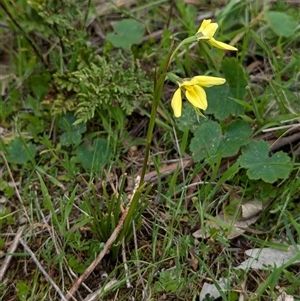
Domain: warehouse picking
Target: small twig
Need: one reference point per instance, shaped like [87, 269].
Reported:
[106, 248]
[290, 126]
[145, 293]
[33, 257]
[97, 294]
[280, 142]
[11, 250]
[192, 187]
[128, 284]
[15, 185]
[167, 170]
[179, 152]
[57, 246]
[163, 172]
[4, 25]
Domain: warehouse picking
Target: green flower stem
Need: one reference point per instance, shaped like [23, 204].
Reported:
[158, 87]
[188, 40]
[174, 78]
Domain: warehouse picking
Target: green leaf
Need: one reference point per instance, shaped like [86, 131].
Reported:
[75, 264]
[281, 23]
[208, 140]
[189, 118]
[6, 218]
[255, 157]
[235, 77]
[93, 157]
[36, 124]
[169, 281]
[236, 135]
[221, 98]
[72, 135]
[20, 153]
[126, 33]
[23, 290]
[40, 85]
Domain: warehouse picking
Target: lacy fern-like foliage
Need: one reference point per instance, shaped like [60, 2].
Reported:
[103, 85]
[92, 83]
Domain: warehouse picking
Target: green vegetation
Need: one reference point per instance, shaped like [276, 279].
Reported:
[87, 106]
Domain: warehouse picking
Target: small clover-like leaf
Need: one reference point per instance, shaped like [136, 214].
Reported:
[281, 23]
[255, 158]
[18, 152]
[206, 140]
[127, 32]
[220, 98]
[236, 135]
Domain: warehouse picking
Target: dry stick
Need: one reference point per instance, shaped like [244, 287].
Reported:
[107, 246]
[282, 141]
[145, 293]
[56, 243]
[100, 291]
[152, 176]
[15, 185]
[11, 249]
[27, 249]
[128, 284]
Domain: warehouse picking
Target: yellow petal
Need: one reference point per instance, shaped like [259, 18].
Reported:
[204, 24]
[176, 103]
[206, 81]
[186, 82]
[221, 45]
[196, 96]
[208, 29]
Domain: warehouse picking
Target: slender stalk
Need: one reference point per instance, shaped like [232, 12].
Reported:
[156, 98]
[158, 87]
[185, 41]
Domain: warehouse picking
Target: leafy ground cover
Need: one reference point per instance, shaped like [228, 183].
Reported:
[86, 90]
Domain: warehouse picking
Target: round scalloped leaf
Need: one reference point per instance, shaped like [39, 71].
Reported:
[18, 152]
[236, 135]
[206, 140]
[189, 118]
[93, 157]
[281, 23]
[255, 158]
[127, 32]
[220, 102]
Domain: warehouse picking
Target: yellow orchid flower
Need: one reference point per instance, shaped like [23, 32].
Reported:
[207, 31]
[194, 92]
